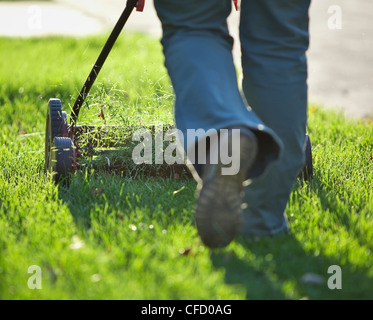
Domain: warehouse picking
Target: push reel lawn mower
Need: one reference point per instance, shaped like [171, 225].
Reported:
[66, 144]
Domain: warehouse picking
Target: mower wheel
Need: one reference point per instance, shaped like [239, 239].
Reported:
[307, 171]
[53, 127]
[61, 159]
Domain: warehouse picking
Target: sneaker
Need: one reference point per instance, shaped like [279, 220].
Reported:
[219, 197]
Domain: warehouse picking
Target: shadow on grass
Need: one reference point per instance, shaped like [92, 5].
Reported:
[271, 268]
[279, 268]
[334, 203]
[240, 271]
[106, 194]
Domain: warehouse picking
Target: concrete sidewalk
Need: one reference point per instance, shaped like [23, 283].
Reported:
[340, 60]
[33, 19]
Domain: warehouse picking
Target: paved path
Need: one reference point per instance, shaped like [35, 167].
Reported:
[340, 60]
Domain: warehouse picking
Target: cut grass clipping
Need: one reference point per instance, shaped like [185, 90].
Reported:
[114, 236]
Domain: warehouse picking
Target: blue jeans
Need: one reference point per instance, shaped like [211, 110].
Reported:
[198, 56]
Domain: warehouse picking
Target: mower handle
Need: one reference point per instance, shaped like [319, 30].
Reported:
[131, 4]
[140, 5]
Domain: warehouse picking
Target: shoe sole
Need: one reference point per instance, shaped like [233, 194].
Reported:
[219, 203]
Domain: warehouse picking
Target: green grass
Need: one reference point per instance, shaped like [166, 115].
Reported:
[114, 237]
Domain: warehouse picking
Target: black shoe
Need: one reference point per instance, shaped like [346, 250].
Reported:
[219, 204]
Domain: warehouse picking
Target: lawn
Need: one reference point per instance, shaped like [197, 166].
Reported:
[109, 236]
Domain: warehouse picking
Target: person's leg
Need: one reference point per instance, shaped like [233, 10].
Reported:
[274, 39]
[198, 57]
